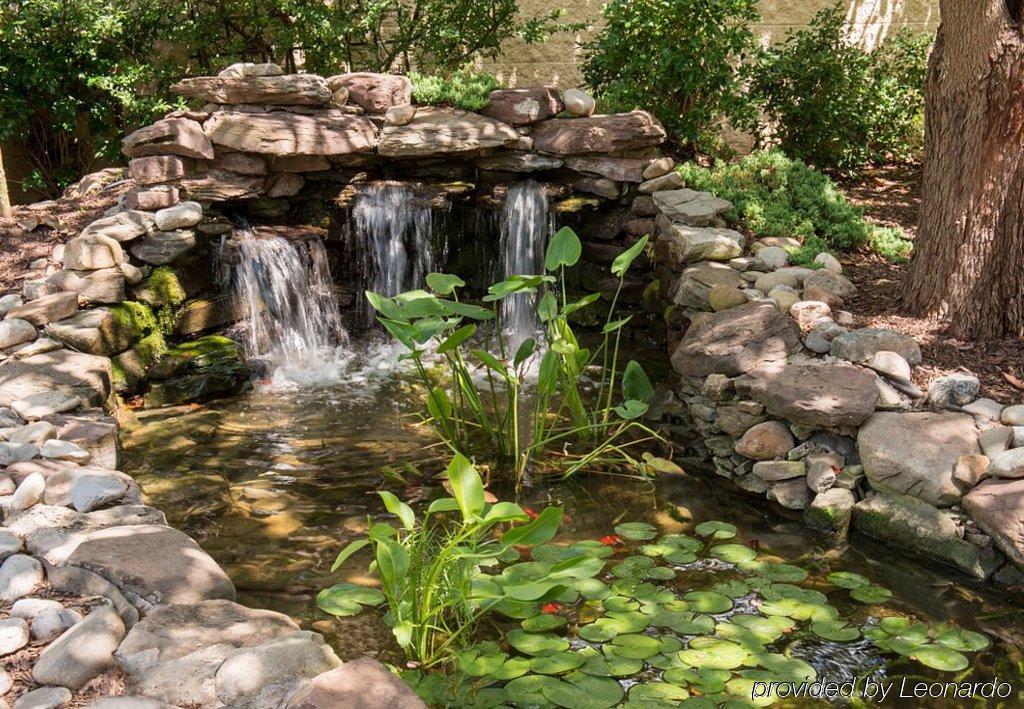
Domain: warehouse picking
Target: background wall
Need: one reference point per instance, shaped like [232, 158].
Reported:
[556, 61]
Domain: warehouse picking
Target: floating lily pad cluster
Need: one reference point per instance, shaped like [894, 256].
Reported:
[625, 629]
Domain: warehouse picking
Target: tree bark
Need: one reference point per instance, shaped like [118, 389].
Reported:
[5, 196]
[968, 265]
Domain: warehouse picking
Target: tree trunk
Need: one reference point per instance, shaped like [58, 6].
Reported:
[968, 265]
[5, 196]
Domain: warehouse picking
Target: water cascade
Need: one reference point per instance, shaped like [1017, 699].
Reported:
[525, 227]
[394, 234]
[293, 320]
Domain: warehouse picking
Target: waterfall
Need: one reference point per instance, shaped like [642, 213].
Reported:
[525, 226]
[394, 234]
[292, 316]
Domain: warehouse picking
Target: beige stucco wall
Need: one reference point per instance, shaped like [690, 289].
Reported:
[870, 21]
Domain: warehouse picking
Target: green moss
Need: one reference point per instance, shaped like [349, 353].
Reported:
[162, 289]
[463, 89]
[137, 318]
[151, 348]
[651, 297]
[208, 350]
[119, 379]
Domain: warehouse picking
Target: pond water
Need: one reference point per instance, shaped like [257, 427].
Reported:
[274, 483]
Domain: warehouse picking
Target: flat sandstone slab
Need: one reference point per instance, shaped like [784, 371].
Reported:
[326, 132]
[824, 396]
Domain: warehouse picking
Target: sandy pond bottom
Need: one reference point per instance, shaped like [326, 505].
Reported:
[274, 483]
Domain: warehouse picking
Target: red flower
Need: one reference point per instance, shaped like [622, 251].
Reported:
[551, 608]
[530, 513]
[524, 552]
[611, 540]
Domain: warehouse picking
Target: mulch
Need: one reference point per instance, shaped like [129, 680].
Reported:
[891, 196]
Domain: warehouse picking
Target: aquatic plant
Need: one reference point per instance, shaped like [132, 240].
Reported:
[627, 625]
[429, 566]
[497, 418]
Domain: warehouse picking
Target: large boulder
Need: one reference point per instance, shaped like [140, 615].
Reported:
[443, 131]
[123, 226]
[693, 287]
[915, 453]
[816, 396]
[46, 309]
[97, 331]
[220, 186]
[689, 207]
[909, 523]
[83, 652]
[997, 506]
[518, 107]
[374, 93]
[170, 136]
[16, 331]
[598, 134]
[268, 675]
[92, 252]
[106, 285]
[679, 244]
[154, 169]
[156, 564]
[173, 653]
[610, 167]
[68, 372]
[163, 247]
[359, 684]
[518, 161]
[861, 345]
[735, 341]
[288, 90]
[319, 132]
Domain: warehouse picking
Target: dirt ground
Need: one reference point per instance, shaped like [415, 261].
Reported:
[890, 197]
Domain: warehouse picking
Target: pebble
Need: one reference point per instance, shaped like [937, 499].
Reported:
[985, 409]
[1013, 415]
[90, 492]
[578, 102]
[773, 257]
[891, 364]
[11, 453]
[83, 652]
[51, 623]
[65, 450]
[994, 441]
[13, 635]
[828, 262]
[35, 433]
[953, 390]
[9, 544]
[20, 574]
[28, 493]
[1008, 464]
[29, 608]
[44, 698]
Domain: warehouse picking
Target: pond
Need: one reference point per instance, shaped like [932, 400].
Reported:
[274, 483]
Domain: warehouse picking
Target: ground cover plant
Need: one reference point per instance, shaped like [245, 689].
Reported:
[465, 89]
[554, 426]
[638, 617]
[775, 195]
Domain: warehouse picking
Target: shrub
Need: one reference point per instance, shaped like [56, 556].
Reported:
[683, 60]
[777, 196]
[463, 89]
[835, 105]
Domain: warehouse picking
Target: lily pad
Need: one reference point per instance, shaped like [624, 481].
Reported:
[583, 691]
[609, 665]
[557, 664]
[713, 654]
[682, 541]
[528, 690]
[538, 644]
[684, 622]
[708, 602]
[870, 594]
[346, 599]
[847, 579]
[543, 622]
[732, 553]
[773, 571]
[635, 646]
[716, 529]
[962, 640]
[940, 657]
[592, 589]
[786, 669]
[703, 680]
[835, 630]
[679, 557]
[512, 668]
[638, 531]
[661, 573]
[732, 589]
[662, 691]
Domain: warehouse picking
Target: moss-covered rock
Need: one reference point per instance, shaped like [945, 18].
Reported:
[163, 288]
[131, 368]
[134, 317]
[196, 370]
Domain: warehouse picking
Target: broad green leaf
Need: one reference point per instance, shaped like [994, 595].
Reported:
[708, 602]
[716, 530]
[523, 352]
[444, 504]
[467, 310]
[536, 644]
[624, 260]
[713, 654]
[557, 664]
[962, 640]
[835, 630]
[635, 384]
[940, 657]
[535, 532]
[636, 530]
[847, 579]
[581, 303]
[467, 488]
[398, 508]
[439, 406]
[444, 283]
[547, 307]
[346, 599]
[456, 338]
[732, 553]
[631, 409]
[564, 249]
[505, 512]
[385, 306]
[403, 633]
[634, 646]
[392, 560]
[615, 325]
[348, 551]
[543, 623]
[870, 594]
[657, 691]
[490, 361]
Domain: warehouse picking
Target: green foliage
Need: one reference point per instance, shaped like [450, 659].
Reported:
[463, 89]
[683, 60]
[835, 105]
[498, 419]
[71, 72]
[774, 195]
[430, 566]
[136, 317]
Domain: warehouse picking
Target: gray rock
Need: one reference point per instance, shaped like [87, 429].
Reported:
[29, 608]
[105, 285]
[35, 433]
[56, 449]
[766, 282]
[914, 453]
[969, 470]
[828, 262]
[444, 131]
[180, 216]
[662, 183]
[680, 244]
[6, 683]
[9, 543]
[809, 313]
[518, 161]
[83, 652]
[1013, 415]
[830, 511]
[19, 576]
[578, 102]
[984, 409]
[241, 69]
[889, 397]
[15, 331]
[28, 493]
[45, 309]
[773, 257]
[819, 339]
[16, 452]
[776, 470]
[819, 396]
[399, 115]
[163, 247]
[822, 471]
[268, 674]
[835, 287]
[1007, 464]
[791, 494]
[45, 403]
[129, 702]
[7, 302]
[355, 685]
[43, 698]
[860, 345]
[912, 524]
[689, 207]
[997, 506]
[693, 287]
[41, 345]
[953, 390]
[891, 364]
[995, 440]
[13, 635]
[765, 441]
[90, 492]
[123, 226]
[97, 331]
